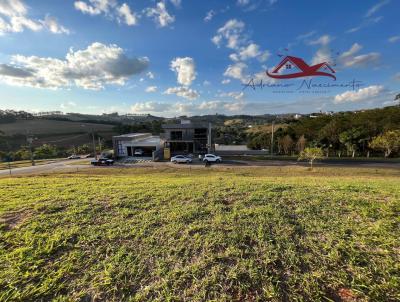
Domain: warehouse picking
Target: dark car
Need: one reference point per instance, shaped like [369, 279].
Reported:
[102, 162]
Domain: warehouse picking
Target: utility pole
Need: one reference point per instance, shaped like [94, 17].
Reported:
[272, 138]
[29, 139]
[99, 144]
[94, 146]
[9, 164]
[209, 138]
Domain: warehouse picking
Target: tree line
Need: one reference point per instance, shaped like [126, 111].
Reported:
[362, 133]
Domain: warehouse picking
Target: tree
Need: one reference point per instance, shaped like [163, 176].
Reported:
[301, 144]
[260, 141]
[311, 154]
[83, 149]
[388, 142]
[46, 151]
[351, 138]
[286, 143]
[22, 154]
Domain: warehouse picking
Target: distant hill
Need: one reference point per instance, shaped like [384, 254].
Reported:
[60, 133]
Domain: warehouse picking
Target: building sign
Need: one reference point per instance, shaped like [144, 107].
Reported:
[293, 75]
[299, 69]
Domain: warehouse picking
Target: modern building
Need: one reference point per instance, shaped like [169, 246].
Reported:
[127, 144]
[187, 137]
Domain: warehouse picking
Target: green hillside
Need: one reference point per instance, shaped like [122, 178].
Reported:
[276, 234]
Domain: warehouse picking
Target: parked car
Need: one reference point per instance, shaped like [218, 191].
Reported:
[74, 156]
[212, 158]
[102, 162]
[181, 159]
[138, 152]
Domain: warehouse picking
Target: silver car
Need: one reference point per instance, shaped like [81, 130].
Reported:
[181, 159]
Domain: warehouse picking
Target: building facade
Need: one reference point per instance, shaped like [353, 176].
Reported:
[187, 137]
[127, 144]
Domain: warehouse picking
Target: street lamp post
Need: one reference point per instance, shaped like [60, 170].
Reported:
[30, 141]
[272, 138]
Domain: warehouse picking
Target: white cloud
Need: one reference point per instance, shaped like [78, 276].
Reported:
[350, 59]
[91, 68]
[364, 60]
[151, 89]
[242, 2]
[109, 8]
[53, 26]
[235, 106]
[128, 17]
[394, 39]
[323, 40]
[149, 106]
[376, 7]
[16, 19]
[176, 3]
[160, 14]
[184, 92]
[67, 105]
[150, 75]
[306, 35]
[234, 94]
[185, 69]
[249, 52]
[250, 5]
[210, 14]
[231, 32]
[233, 36]
[12, 8]
[236, 71]
[323, 54]
[365, 23]
[359, 95]
[225, 81]
[15, 72]
[96, 7]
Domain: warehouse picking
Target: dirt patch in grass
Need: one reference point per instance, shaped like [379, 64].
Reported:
[13, 220]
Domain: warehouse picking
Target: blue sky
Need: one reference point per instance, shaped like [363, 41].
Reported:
[177, 57]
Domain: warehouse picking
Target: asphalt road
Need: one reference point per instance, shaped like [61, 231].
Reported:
[58, 166]
[74, 165]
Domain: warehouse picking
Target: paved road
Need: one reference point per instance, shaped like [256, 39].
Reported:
[58, 166]
[74, 165]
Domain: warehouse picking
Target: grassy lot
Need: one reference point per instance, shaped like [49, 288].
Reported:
[166, 234]
[42, 126]
[326, 159]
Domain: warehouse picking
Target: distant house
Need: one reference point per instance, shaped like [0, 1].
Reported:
[187, 137]
[127, 144]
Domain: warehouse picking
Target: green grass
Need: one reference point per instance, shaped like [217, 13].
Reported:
[326, 159]
[174, 234]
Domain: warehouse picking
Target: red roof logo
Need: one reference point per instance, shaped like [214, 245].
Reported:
[321, 69]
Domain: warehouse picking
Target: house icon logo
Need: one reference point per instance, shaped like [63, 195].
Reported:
[293, 67]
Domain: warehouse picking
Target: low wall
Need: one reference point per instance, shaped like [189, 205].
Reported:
[241, 152]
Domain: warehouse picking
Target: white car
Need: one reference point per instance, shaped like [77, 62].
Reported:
[212, 158]
[139, 152]
[181, 159]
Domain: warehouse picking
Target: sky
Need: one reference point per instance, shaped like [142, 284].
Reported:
[188, 57]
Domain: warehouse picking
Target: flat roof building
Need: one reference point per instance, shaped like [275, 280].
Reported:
[187, 137]
[127, 144]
